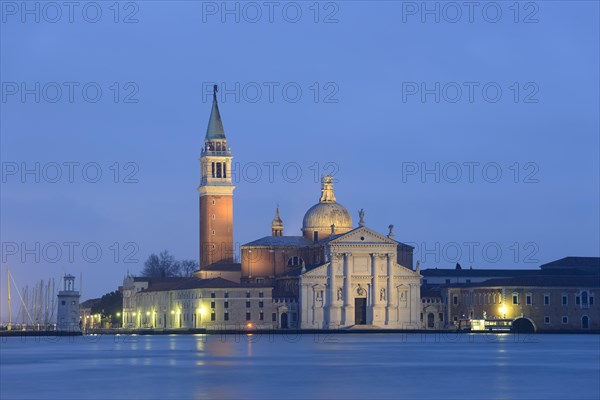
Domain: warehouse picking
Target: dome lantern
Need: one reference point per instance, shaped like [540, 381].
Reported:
[320, 217]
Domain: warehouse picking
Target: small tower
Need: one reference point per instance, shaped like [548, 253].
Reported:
[277, 225]
[67, 317]
[216, 193]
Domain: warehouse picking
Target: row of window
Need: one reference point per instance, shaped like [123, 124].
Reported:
[585, 321]
[216, 146]
[481, 298]
[584, 299]
[226, 295]
[195, 295]
[430, 316]
[219, 170]
[261, 316]
[261, 304]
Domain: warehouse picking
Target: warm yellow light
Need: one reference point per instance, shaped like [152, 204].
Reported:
[147, 312]
[249, 325]
[502, 310]
[133, 314]
[172, 311]
[118, 314]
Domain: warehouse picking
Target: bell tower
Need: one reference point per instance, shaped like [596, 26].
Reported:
[216, 193]
[277, 224]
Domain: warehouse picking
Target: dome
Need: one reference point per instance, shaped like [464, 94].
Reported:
[327, 212]
[321, 216]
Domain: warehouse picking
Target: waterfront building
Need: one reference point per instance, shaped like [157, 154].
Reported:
[539, 303]
[559, 296]
[193, 303]
[88, 319]
[433, 309]
[67, 316]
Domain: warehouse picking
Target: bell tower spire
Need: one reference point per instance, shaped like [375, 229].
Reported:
[277, 224]
[216, 193]
[215, 130]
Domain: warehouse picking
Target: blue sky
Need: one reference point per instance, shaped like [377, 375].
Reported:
[358, 112]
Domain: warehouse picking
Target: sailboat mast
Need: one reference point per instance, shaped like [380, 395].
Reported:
[8, 292]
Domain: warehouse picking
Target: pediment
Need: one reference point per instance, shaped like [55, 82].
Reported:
[363, 235]
[399, 270]
[318, 271]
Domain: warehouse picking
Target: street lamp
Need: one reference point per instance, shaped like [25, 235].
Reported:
[503, 311]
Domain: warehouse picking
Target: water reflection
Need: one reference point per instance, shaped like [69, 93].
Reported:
[277, 366]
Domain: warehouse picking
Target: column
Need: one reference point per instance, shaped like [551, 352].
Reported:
[413, 311]
[332, 302]
[389, 309]
[313, 305]
[348, 310]
[303, 306]
[377, 317]
[374, 292]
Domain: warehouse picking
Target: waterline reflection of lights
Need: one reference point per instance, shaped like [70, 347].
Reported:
[200, 343]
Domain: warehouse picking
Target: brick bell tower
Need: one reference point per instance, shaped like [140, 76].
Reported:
[216, 193]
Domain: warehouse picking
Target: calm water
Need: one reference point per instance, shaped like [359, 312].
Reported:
[341, 366]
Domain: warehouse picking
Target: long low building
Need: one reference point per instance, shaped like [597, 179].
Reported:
[542, 303]
[187, 303]
[559, 296]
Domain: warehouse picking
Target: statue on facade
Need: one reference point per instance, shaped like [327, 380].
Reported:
[382, 294]
[391, 233]
[339, 294]
[361, 217]
[360, 291]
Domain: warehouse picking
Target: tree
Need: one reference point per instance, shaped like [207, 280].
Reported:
[165, 265]
[188, 267]
[110, 304]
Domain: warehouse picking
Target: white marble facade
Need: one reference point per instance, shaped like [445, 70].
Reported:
[360, 285]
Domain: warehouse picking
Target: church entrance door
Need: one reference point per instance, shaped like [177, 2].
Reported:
[430, 320]
[360, 311]
[284, 321]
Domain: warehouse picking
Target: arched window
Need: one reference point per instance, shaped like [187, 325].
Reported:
[585, 322]
[295, 261]
[584, 298]
[430, 320]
